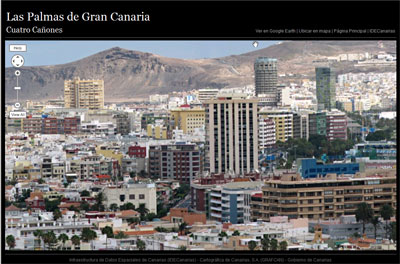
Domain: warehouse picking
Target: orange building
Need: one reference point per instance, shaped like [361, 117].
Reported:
[180, 215]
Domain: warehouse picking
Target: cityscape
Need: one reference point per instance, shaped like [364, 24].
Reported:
[288, 161]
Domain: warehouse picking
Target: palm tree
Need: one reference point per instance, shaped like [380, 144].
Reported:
[108, 231]
[50, 239]
[252, 245]
[182, 228]
[265, 242]
[57, 214]
[10, 240]
[88, 234]
[99, 202]
[274, 244]
[283, 245]
[142, 210]
[364, 213]
[140, 244]
[222, 235]
[39, 234]
[375, 222]
[386, 212]
[75, 240]
[63, 238]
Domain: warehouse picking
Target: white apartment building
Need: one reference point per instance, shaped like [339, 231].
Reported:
[231, 202]
[231, 134]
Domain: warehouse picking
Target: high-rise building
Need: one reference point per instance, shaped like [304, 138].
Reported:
[265, 72]
[266, 133]
[84, 93]
[336, 125]
[231, 134]
[325, 86]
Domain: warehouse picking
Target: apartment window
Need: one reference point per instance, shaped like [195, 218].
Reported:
[122, 197]
[131, 197]
[141, 196]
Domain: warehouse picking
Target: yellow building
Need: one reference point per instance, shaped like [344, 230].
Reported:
[348, 106]
[283, 123]
[188, 119]
[157, 131]
[110, 153]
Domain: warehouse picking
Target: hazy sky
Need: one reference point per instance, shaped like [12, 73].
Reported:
[59, 52]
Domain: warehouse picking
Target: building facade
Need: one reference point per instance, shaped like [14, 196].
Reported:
[188, 119]
[84, 93]
[326, 198]
[266, 80]
[180, 162]
[136, 194]
[325, 87]
[231, 134]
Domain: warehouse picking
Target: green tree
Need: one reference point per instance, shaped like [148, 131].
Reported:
[386, 211]
[274, 244]
[41, 181]
[50, 239]
[223, 234]
[236, 233]
[265, 242]
[108, 230]
[10, 240]
[141, 245]
[127, 206]
[142, 210]
[283, 245]
[114, 207]
[84, 206]
[85, 193]
[76, 241]
[252, 245]
[375, 222]
[63, 238]
[120, 235]
[364, 214]
[39, 235]
[51, 205]
[57, 214]
[356, 235]
[151, 216]
[98, 206]
[132, 220]
[182, 228]
[161, 229]
[88, 234]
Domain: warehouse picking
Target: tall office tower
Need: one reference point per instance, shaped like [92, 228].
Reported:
[325, 86]
[231, 134]
[84, 93]
[266, 80]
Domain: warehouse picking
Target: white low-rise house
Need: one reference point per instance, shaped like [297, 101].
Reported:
[207, 236]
